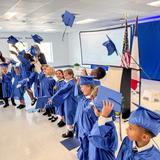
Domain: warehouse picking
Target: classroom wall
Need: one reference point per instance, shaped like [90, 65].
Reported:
[60, 48]
[74, 48]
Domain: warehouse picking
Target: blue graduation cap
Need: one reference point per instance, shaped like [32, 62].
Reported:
[146, 118]
[36, 38]
[104, 94]
[111, 48]
[87, 80]
[97, 83]
[12, 40]
[13, 62]
[70, 143]
[4, 65]
[68, 20]
[33, 51]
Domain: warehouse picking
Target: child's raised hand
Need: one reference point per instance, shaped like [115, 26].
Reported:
[107, 108]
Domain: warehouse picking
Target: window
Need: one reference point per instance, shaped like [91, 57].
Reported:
[47, 49]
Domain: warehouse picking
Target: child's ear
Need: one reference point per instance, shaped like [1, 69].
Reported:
[145, 137]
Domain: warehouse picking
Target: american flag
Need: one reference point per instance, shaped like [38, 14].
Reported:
[125, 58]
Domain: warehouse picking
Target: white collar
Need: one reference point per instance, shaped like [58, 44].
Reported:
[88, 97]
[68, 80]
[140, 149]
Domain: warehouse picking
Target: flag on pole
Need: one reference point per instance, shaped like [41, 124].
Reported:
[125, 58]
[135, 78]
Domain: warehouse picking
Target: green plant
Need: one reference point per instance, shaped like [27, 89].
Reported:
[76, 65]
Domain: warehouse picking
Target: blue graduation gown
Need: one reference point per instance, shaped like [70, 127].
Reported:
[24, 66]
[66, 95]
[17, 93]
[41, 102]
[58, 86]
[37, 91]
[84, 121]
[7, 85]
[126, 152]
[46, 91]
[46, 86]
[103, 142]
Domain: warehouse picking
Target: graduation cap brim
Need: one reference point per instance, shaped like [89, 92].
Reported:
[12, 40]
[112, 96]
[4, 64]
[36, 38]
[87, 80]
[70, 143]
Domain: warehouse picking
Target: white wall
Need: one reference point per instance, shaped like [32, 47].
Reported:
[74, 48]
[60, 48]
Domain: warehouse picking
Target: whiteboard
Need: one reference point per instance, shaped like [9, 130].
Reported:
[92, 50]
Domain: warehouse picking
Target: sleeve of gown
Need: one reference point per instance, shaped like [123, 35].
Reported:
[61, 95]
[23, 60]
[122, 150]
[88, 120]
[101, 136]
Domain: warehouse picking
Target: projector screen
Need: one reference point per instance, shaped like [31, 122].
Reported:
[92, 50]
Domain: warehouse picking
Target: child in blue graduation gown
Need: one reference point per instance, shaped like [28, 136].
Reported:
[66, 95]
[144, 124]
[18, 92]
[47, 84]
[25, 69]
[37, 83]
[85, 116]
[6, 84]
[60, 109]
[103, 139]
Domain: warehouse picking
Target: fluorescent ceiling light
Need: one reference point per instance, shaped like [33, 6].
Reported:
[9, 15]
[49, 30]
[155, 4]
[85, 21]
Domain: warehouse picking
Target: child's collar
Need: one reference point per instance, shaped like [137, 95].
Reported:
[149, 145]
[88, 97]
[68, 80]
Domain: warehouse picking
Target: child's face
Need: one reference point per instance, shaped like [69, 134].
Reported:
[16, 69]
[4, 70]
[86, 89]
[44, 68]
[134, 132]
[67, 76]
[49, 71]
[83, 72]
[59, 75]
